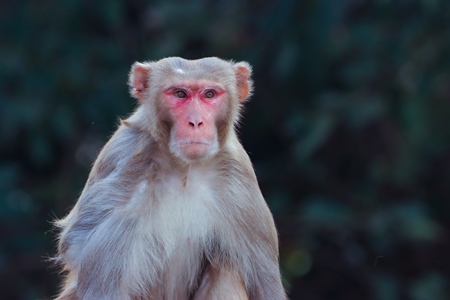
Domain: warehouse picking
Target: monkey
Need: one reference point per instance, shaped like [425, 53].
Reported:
[172, 208]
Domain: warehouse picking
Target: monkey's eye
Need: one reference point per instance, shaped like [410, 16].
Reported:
[180, 94]
[210, 94]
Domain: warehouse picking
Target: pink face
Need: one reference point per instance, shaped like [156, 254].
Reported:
[194, 107]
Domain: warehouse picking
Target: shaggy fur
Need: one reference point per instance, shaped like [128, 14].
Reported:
[149, 225]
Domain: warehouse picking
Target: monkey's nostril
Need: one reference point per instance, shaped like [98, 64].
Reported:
[195, 124]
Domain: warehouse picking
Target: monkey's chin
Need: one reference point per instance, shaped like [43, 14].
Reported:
[194, 151]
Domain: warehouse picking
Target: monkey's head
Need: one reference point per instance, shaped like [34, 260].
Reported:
[191, 105]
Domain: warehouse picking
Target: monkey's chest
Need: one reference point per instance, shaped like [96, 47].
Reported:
[181, 218]
[176, 232]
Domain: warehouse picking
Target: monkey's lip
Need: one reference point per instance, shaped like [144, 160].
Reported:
[194, 143]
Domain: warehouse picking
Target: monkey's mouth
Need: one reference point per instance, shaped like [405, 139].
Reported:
[192, 149]
[186, 143]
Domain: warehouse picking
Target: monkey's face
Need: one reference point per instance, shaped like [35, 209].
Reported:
[194, 106]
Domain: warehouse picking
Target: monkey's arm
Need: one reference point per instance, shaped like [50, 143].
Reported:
[221, 284]
[95, 240]
[255, 241]
[263, 277]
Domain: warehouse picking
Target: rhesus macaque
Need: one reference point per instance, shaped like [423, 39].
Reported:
[172, 207]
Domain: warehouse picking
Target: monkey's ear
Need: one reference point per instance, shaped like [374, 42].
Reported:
[244, 81]
[139, 79]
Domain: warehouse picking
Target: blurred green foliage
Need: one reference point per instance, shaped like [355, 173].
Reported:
[348, 128]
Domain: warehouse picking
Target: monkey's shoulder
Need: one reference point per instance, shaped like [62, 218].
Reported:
[127, 147]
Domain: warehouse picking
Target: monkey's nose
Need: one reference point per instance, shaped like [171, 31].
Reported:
[195, 123]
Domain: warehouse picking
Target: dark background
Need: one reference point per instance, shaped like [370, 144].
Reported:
[348, 128]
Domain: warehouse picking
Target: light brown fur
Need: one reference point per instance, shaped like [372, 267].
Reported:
[155, 223]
